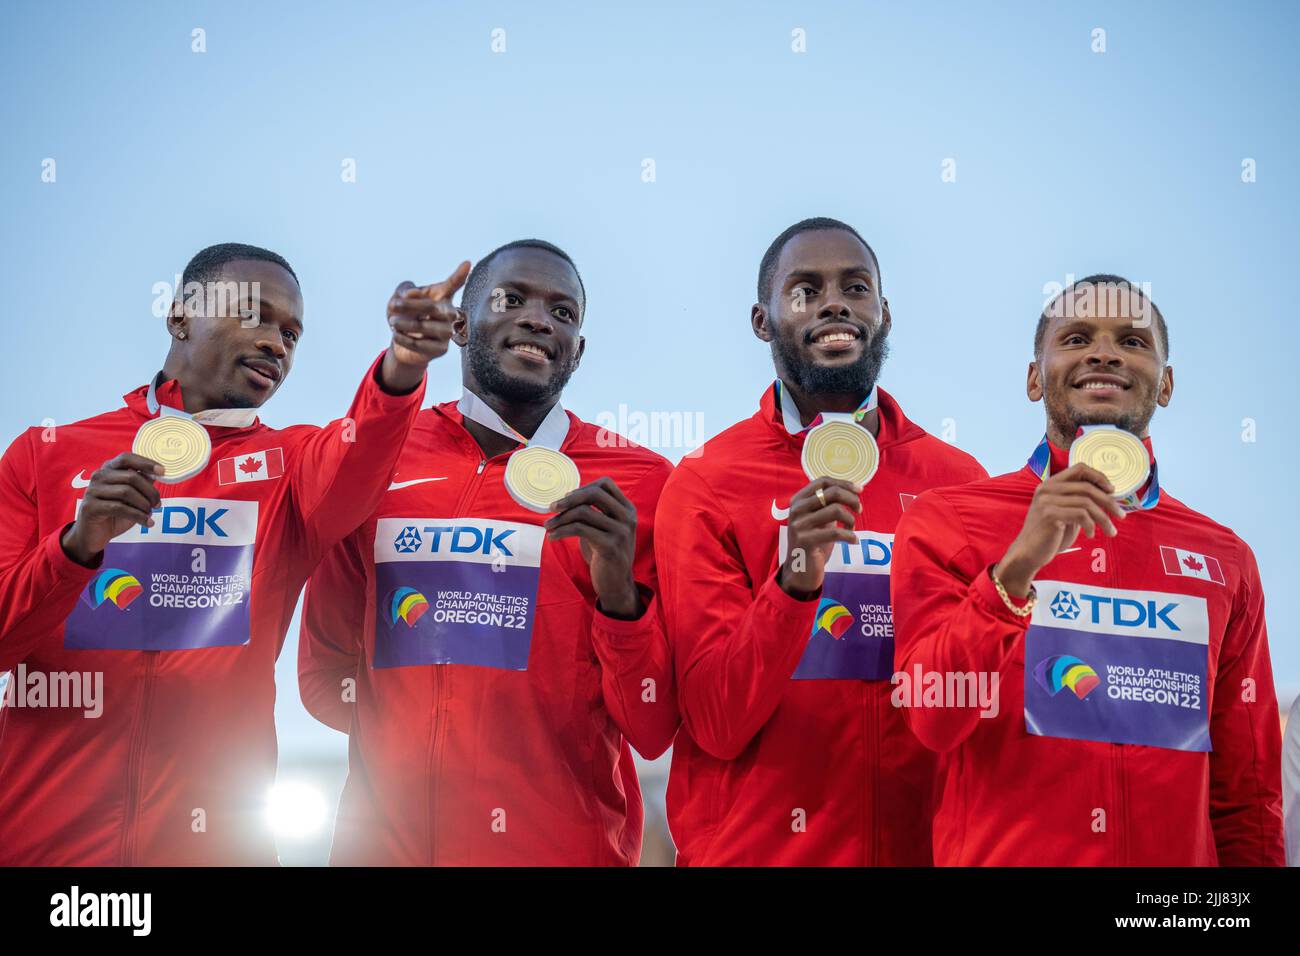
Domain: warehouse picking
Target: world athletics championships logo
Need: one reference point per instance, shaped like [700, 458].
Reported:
[832, 617]
[114, 585]
[406, 604]
[1062, 670]
[407, 541]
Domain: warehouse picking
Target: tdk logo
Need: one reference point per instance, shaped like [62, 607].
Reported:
[179, 519]
[407, 541]
[868, 552]
[456, 539]
[1113, 611]
[1064, 606]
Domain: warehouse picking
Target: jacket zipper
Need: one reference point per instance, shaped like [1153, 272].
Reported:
[135, 763]
[1118, 777]
[873, 774]
[441, 680]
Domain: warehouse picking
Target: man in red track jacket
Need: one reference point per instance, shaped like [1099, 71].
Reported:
[1137, 723]
[491, 665]
[174, 598]
[779, 616]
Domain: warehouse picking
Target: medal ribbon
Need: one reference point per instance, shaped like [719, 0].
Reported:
[550, 433]
[794, 423]
[222, 417]
[1040, 463]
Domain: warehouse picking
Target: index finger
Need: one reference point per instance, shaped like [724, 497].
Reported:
[1087, 473]
[146, 466]
[448, 286]
[610, 485]
[590, 492]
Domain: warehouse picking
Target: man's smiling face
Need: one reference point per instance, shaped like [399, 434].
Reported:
[826, 319]
[1102, 362]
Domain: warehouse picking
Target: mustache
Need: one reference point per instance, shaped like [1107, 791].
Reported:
[864, 331]
[816, 379]
[490, 376]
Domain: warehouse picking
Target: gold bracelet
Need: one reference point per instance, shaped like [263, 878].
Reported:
[1018, 610]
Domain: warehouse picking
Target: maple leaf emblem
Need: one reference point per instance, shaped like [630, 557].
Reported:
[250, 465]
[1192, 563]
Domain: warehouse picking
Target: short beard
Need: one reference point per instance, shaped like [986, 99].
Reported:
[487, 373]
[1068, 422]
[813, 379]
[238, 401]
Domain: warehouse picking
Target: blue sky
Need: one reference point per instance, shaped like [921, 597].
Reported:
[1067, 162]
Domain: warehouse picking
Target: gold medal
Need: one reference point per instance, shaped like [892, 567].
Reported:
[1117, 454]
[840, 449]
[537, 476]
[179, 444]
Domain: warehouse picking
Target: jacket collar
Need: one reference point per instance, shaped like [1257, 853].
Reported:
[169, 393]
[450, 413]
[895, 427]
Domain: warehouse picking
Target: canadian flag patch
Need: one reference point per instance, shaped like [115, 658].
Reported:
[252, 466]
[1189, 564]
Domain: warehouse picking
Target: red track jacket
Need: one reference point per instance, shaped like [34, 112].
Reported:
[493, 701]
[771, 768]
[1145, 650]
[183, 621]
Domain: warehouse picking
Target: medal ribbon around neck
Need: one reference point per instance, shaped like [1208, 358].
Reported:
[177, 440]
[539, 473]
[1040, 463]
[835, 443]
[220, 417]
[794, 422]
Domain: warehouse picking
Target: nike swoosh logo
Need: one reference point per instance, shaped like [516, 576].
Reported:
[780, 514]
[1068, 550]
[414, 481]
[79, 482]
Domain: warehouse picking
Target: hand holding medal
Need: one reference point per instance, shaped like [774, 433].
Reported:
[121, 495]
[822, 514]
[543, 479]
[603, 520]
[840, 456]
[1109, 468]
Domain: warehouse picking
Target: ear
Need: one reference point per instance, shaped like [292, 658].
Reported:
[758, 320]
[1034, 383]
[582, 347]
[886, 320]
[460, 328]
[176, 320]
[1166, 391]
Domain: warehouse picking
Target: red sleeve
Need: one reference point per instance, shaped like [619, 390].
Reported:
[330, 636]
[39, 583]
[948, 616]
[636, 663]
[735, 651]
[1246, 733]
[341, 471]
